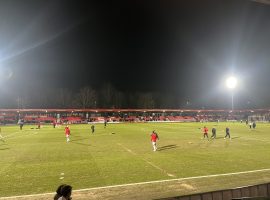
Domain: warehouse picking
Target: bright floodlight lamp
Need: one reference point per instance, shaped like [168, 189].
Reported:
[231, 82]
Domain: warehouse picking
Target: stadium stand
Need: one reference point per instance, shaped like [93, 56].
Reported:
[11, 116]
[72, 120]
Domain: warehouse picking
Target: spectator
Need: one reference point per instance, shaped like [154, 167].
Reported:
[58, 192]
[65, 192]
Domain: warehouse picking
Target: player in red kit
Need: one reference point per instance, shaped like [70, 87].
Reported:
[205, 132]
[154, 138]
[54, 124]
[67, 132]
[39, 125]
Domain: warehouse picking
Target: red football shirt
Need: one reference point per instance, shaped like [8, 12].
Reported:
[67, 131]
[205, 130]
[154, 137]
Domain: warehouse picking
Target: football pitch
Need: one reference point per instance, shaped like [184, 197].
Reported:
[117, 162]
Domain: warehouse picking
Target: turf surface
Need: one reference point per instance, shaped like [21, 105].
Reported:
[37, 161]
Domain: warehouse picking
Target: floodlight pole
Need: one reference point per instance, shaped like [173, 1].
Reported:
[231, 83]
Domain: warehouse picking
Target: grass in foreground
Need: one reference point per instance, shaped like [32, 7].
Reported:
[37, 161]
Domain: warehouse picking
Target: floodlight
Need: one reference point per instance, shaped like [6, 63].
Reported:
[231, 82]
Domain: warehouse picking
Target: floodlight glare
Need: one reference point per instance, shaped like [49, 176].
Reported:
[231, 82]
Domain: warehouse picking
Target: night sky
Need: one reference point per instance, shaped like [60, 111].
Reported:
[185, 48]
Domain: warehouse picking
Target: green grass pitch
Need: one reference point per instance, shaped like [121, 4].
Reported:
[37, 161]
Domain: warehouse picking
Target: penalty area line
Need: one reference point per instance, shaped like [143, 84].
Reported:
[142, 183]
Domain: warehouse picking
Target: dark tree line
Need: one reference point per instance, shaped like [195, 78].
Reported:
[106, 96]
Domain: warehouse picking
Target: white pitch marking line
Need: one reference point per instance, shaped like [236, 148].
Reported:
[127, 149]
[150, 163]
[157, 167]
[142, 183]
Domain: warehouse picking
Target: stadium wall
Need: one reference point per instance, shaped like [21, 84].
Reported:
[254, 192]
